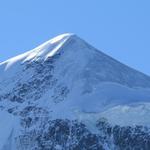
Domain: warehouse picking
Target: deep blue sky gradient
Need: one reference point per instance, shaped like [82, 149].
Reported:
[120, 28]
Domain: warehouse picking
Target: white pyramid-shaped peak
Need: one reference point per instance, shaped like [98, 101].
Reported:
[78, 56]
[61, 37]
[47, 49]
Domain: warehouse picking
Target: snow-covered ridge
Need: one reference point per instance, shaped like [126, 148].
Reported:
[48, 49]
[68, 83]
[77, 51]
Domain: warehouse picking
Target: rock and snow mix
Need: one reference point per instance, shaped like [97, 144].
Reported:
[66, 95]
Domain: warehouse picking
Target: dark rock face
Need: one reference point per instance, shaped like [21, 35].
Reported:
[41, 79]
[73, 135]
[127, 138]
[131, 138]
[63, 134]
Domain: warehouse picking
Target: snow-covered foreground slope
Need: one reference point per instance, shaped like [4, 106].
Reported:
[66, 85]
[8, 126]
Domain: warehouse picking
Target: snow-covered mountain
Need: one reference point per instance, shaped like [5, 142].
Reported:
[67, 95]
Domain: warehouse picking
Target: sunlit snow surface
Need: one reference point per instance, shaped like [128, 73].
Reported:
[95, 85]
[47, 49]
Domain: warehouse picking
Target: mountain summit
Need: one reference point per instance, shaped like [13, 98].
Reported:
[76, 49]
[65, 94]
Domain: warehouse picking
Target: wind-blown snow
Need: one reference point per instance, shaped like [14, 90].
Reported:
[48, 49]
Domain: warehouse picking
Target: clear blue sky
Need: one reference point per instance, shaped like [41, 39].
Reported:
[120, 28]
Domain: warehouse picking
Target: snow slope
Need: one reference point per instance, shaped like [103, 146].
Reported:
[95, 81]
[66, 78]
[8, 125]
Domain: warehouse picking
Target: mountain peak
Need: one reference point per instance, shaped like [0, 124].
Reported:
[81, 58]
[47, 49]
[65, 93]
[61, 37]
